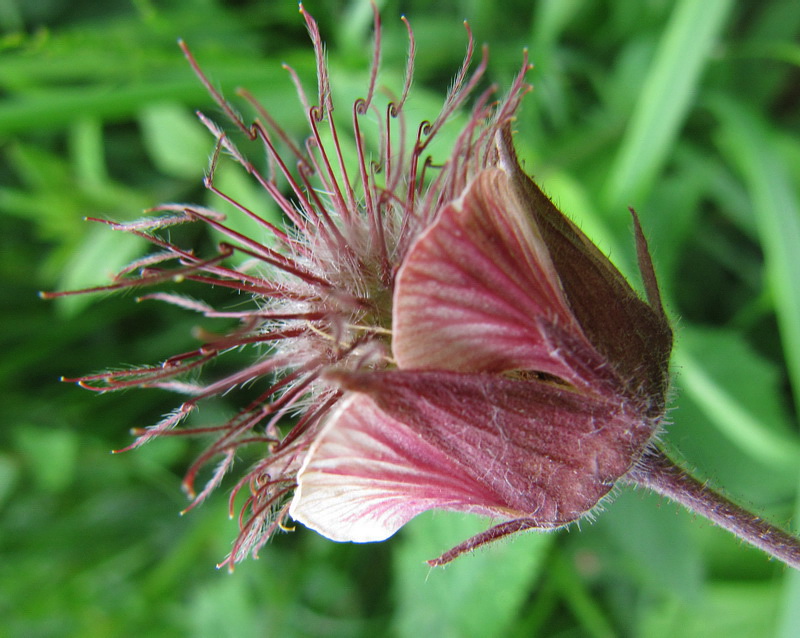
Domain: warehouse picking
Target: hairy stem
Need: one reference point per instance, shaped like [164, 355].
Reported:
[657, 473]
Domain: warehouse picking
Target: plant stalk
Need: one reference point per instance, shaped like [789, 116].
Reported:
[658, 473]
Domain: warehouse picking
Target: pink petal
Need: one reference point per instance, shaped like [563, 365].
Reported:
[476, 443]
[632, 335]
[478, 291]
[366, 475]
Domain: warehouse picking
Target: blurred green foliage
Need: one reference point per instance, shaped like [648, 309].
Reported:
[689, 111]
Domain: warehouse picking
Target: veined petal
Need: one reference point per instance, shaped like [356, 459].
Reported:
[366, 475]
[632, 335]
[478, 291]
[406, 442]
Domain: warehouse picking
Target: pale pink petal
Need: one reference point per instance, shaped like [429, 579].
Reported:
[542, 448]
[478, 291]
[631, 335]
[406, 442]
[366, 475]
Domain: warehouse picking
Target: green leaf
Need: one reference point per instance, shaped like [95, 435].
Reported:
[666, 96]
[175, 139]
[776, 203]
[9, 476]
[477, 595]
[51, 455]
[102, 253]
[652, 542]
[738, 391]
[734, 610]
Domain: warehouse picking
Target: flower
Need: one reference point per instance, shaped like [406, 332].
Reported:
[530, 377]
[322, 289]
[440, 334]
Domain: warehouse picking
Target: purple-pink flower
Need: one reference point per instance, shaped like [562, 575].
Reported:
[509, 398]
[440, 334]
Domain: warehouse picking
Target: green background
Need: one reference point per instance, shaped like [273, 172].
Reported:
[687, 110]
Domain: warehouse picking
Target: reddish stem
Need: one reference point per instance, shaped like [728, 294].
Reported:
[659, 474]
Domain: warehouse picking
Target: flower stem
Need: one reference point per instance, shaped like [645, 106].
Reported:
[659, 474]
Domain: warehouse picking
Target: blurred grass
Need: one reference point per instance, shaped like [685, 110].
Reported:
[689, 111]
